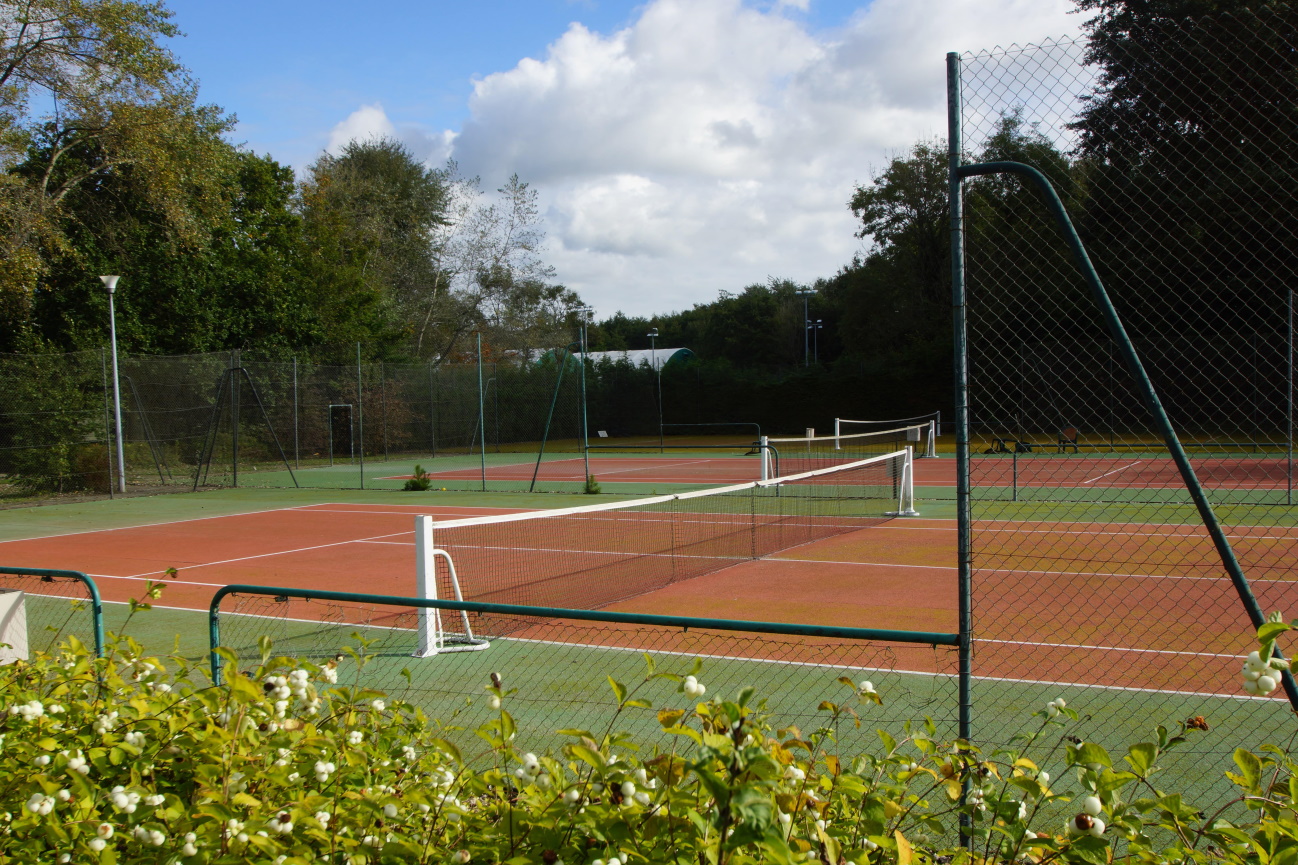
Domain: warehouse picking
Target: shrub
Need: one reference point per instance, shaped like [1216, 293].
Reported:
[592, 486]
[136, 759]
[419, 483]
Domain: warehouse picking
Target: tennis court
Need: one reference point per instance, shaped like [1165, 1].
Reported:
[732, 558]
[894, 573]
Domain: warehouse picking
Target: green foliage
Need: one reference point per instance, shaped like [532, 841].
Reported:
[53, 423]
[592, 486]
[135, 758]
[419, 483]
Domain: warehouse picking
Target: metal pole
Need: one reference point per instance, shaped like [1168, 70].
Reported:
[297, 451]
[235, 398]
[964, 524]
[108, 421]
[110, 283]
[585, 426]
[653, 353]
[432, 410]
[482, 416]
[360, 412]
[383, 407]
[806, 316]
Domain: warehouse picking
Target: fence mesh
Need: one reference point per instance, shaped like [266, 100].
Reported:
[55, 607]
[1091, 569]
[561, 667]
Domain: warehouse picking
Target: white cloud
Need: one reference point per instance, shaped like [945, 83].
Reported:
[714, 143]
[371, 121]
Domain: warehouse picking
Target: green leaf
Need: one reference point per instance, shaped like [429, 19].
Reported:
[889, 743]
[619, 690]
[586, 755]
[638, 704]
[1089, 752]
[1141, 757]
[1268, 632]
[1250, 766]
[1090, 849]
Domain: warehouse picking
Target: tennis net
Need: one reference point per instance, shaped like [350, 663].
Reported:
[590, 557]
[812, 452]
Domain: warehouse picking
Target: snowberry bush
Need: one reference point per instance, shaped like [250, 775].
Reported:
[138, 759]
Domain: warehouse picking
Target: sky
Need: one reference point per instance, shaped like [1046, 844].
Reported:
[679, 148]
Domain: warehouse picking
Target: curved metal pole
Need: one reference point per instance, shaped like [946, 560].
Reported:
[1144, 385]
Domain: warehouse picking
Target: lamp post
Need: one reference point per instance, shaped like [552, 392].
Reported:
[805, 293]
[815, 327]
[584, 313]
[110, 283]
[653, 349]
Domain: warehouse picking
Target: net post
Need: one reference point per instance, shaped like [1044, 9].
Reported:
[764, 448]
[932, 439]
[906, 489]
[838, 422]
[430, 622]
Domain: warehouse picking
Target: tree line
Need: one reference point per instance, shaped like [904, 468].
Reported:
[113, 164]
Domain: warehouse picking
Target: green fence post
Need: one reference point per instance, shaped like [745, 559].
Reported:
[964, 526]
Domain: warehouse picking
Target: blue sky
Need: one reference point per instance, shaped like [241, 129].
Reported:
[679, 147]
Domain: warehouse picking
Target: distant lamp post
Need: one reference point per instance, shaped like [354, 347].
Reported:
[585, 314]
[815, 328]
[110, 283]
[653, 353]
[805, 294]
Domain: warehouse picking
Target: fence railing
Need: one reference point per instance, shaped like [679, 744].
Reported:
[58, 604]
[559, 659]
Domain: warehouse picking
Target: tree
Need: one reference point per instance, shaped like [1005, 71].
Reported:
[904, 209]
[489, 274]
[118, 97]
[1189, 141]
[369, 217]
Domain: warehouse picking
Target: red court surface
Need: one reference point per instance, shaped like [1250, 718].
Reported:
[1167, 621]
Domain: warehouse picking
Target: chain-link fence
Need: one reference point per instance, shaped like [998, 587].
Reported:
[559, 666]
[226, 419]
[1095, 574]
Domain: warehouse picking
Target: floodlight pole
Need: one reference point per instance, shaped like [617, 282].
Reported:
[805, 294]
[815, 327]
[585, 313]
[653, 353]
[110, 283]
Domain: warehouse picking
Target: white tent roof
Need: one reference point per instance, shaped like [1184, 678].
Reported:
[656, 359]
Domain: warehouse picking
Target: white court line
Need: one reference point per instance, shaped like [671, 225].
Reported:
[997, 527]
[275, 553]
[156, 525]
[1108, 648]
[772, 661]
[1114, 472]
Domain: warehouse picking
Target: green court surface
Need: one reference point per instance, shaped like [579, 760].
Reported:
[52, 520]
